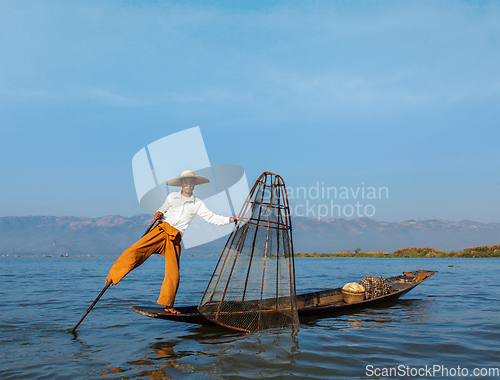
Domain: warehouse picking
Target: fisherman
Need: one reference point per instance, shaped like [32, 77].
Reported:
[175, 215]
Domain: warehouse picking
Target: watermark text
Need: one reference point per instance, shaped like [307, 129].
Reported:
[431, 371]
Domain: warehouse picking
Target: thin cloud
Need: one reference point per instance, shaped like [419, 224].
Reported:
[386, 93]
[120, 100]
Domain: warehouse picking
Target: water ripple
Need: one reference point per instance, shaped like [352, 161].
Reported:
[454, 319]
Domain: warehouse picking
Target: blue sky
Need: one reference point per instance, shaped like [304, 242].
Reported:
[403, 95]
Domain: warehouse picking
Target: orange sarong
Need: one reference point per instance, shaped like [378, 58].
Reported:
[164, 240]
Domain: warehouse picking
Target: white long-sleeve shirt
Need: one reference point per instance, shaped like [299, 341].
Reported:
[178, 211]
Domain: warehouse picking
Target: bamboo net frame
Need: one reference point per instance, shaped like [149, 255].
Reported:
[253, 285]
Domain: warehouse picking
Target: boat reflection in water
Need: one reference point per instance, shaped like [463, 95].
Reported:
[218, 354]
[154, 367]
[405, 311]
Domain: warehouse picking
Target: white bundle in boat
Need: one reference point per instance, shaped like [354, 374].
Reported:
[354, 287]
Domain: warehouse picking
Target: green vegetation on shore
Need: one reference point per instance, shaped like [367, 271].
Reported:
[480, 251]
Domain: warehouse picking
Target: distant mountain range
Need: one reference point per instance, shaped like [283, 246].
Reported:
[370, 235]
[110, 235]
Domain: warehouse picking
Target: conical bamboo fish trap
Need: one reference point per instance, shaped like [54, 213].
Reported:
[253, 285]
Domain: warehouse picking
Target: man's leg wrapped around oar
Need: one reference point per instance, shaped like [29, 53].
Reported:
[164, 240]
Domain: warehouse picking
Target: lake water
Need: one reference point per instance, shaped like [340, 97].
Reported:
[450, 321]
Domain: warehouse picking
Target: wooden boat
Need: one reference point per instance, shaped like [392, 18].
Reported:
[320, 303]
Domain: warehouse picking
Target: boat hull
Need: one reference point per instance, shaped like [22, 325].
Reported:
[321, 303]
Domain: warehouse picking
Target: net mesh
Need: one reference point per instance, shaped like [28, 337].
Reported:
[253, 285]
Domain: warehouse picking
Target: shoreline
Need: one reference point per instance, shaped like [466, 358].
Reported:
[483, 251]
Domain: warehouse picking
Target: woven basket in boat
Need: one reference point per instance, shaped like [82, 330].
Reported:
[351, 297]
[375, 286]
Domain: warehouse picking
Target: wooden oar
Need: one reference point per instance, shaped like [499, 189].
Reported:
[106, 287]
[93, 304]
[150, 226]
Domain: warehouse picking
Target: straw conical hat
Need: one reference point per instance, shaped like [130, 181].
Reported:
[187, 174]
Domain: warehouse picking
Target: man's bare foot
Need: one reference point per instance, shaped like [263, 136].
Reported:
[171, 310]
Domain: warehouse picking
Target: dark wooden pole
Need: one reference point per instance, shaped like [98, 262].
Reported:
[93, 304]
[106, 287]
[149, 228]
